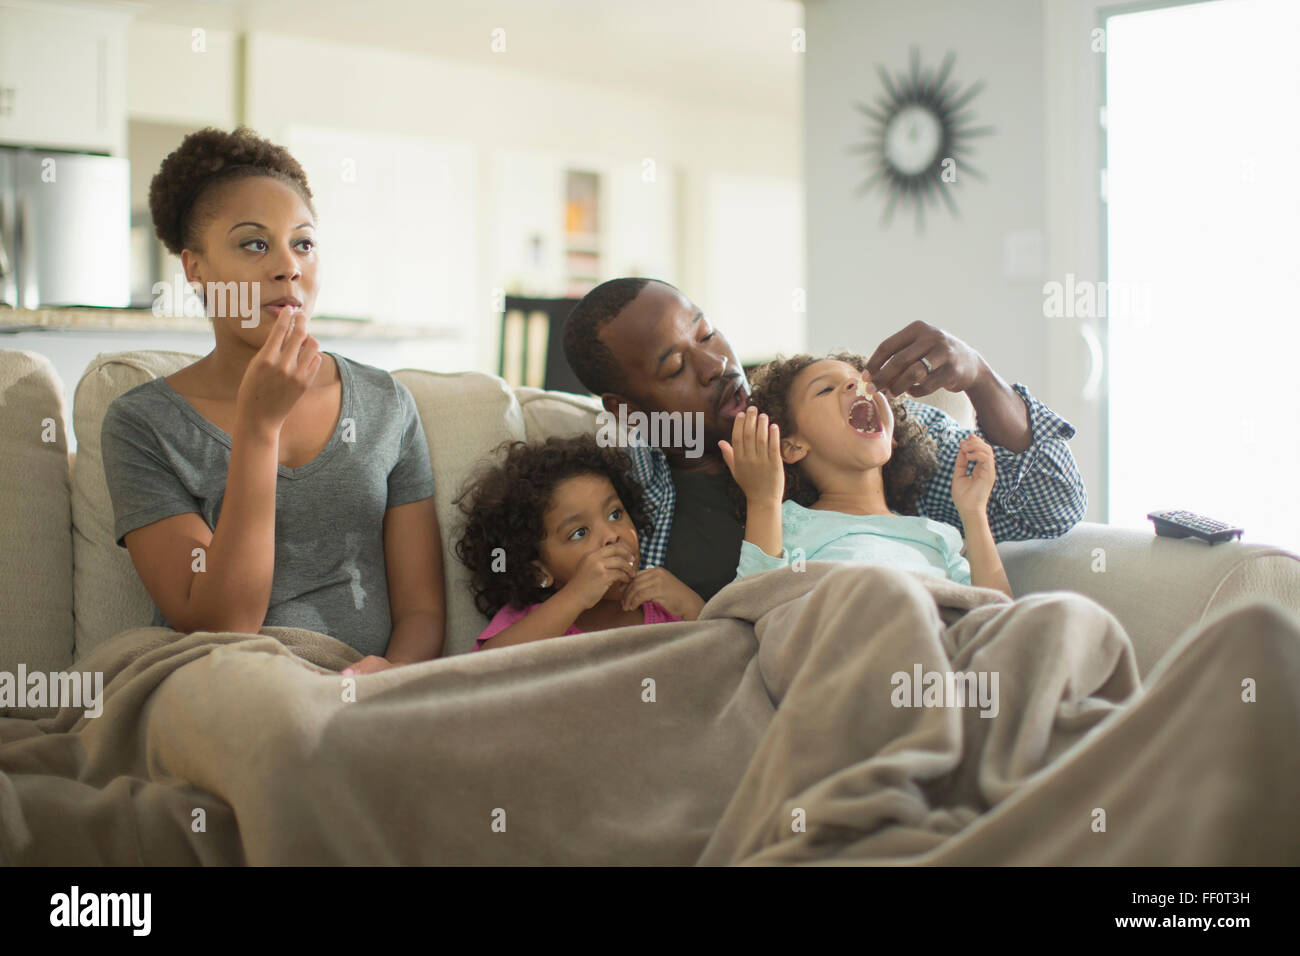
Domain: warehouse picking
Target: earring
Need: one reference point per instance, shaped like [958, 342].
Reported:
[546, 581]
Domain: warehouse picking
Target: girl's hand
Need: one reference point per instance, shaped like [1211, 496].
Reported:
[970, 493]
[369, 665]
[599, 571]
[664, 587]
[279, 373]
[754, 456]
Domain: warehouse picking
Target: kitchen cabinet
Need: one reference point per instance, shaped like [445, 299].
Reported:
[182, 75]
[63, 76]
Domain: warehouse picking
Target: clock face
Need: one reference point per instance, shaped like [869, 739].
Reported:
[918, 147]
[913, 136]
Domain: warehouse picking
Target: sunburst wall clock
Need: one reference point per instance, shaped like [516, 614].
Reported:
[918, 144]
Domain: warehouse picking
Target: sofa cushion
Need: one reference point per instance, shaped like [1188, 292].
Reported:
[556, 413]
[564, 413]
[466, 416]
[35, 517]
[109, 594]
[956, 404]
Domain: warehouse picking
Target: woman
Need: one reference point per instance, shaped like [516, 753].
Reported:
[271, 483]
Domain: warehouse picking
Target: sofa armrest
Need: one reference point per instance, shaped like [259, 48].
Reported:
[35, 518]
[1156, 587]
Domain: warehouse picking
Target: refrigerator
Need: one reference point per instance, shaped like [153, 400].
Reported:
[65, 229]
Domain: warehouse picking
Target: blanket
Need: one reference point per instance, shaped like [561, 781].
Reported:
[843, 714]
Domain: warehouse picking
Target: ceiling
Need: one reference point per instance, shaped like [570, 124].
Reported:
[735, 52]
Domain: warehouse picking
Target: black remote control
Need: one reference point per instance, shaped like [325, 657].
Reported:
[1188, 524]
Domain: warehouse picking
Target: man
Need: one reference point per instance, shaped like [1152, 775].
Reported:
[642, 344]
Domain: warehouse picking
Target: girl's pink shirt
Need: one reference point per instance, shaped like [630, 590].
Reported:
[653, 612]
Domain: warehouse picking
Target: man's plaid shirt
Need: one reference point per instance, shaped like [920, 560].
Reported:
[1038, 492]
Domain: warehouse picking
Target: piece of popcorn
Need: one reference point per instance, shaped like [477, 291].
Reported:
[862, 388]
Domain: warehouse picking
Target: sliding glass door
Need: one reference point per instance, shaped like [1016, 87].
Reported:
[1202, 190]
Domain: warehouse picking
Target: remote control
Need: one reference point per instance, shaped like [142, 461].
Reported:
[1188, 524]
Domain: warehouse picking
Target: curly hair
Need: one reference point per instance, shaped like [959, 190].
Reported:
[911, 465]
[505, 503]
[181, 193]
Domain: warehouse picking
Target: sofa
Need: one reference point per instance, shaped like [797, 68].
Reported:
[1120, 663]
[67, 587]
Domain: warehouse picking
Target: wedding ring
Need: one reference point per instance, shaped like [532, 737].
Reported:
[926, 362]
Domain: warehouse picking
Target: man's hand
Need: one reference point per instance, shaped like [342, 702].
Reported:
[896, 366]
[754, 456]
[665, 588]
[369, 665]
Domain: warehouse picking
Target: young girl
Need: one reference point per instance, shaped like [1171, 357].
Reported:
[823, 471]
[271, 483]
[552, 541]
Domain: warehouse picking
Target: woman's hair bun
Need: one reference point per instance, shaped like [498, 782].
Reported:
[203, 158]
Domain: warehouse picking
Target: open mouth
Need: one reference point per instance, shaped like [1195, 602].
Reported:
[864, 417]
[732, 400]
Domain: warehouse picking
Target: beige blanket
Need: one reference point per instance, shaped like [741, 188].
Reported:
[769, 732]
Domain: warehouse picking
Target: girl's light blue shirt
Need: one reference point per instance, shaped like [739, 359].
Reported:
[908, 542]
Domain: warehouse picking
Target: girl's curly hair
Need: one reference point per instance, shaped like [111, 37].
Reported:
[181, 193]
[504, 505]
[911, 465]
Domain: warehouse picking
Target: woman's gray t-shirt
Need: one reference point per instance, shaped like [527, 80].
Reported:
[162, 458]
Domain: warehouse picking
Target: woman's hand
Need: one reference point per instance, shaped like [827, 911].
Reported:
[599, 571]
[665, 588]
[369, 665]
[970, 493]
[754, 456]
[279, 374]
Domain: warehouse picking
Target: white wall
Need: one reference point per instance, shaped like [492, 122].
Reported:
[756, 255]
[501, 109]
[867, 281]
[1072, 159]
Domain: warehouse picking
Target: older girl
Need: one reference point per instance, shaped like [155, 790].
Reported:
[831, 468]
[271, 483]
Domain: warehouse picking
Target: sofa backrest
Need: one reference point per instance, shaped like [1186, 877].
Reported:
[466, 415]
[35, 517]
[563, 413]
[109, 596]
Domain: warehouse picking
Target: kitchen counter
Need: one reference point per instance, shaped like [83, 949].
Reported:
[143, 320]
[71, 339]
